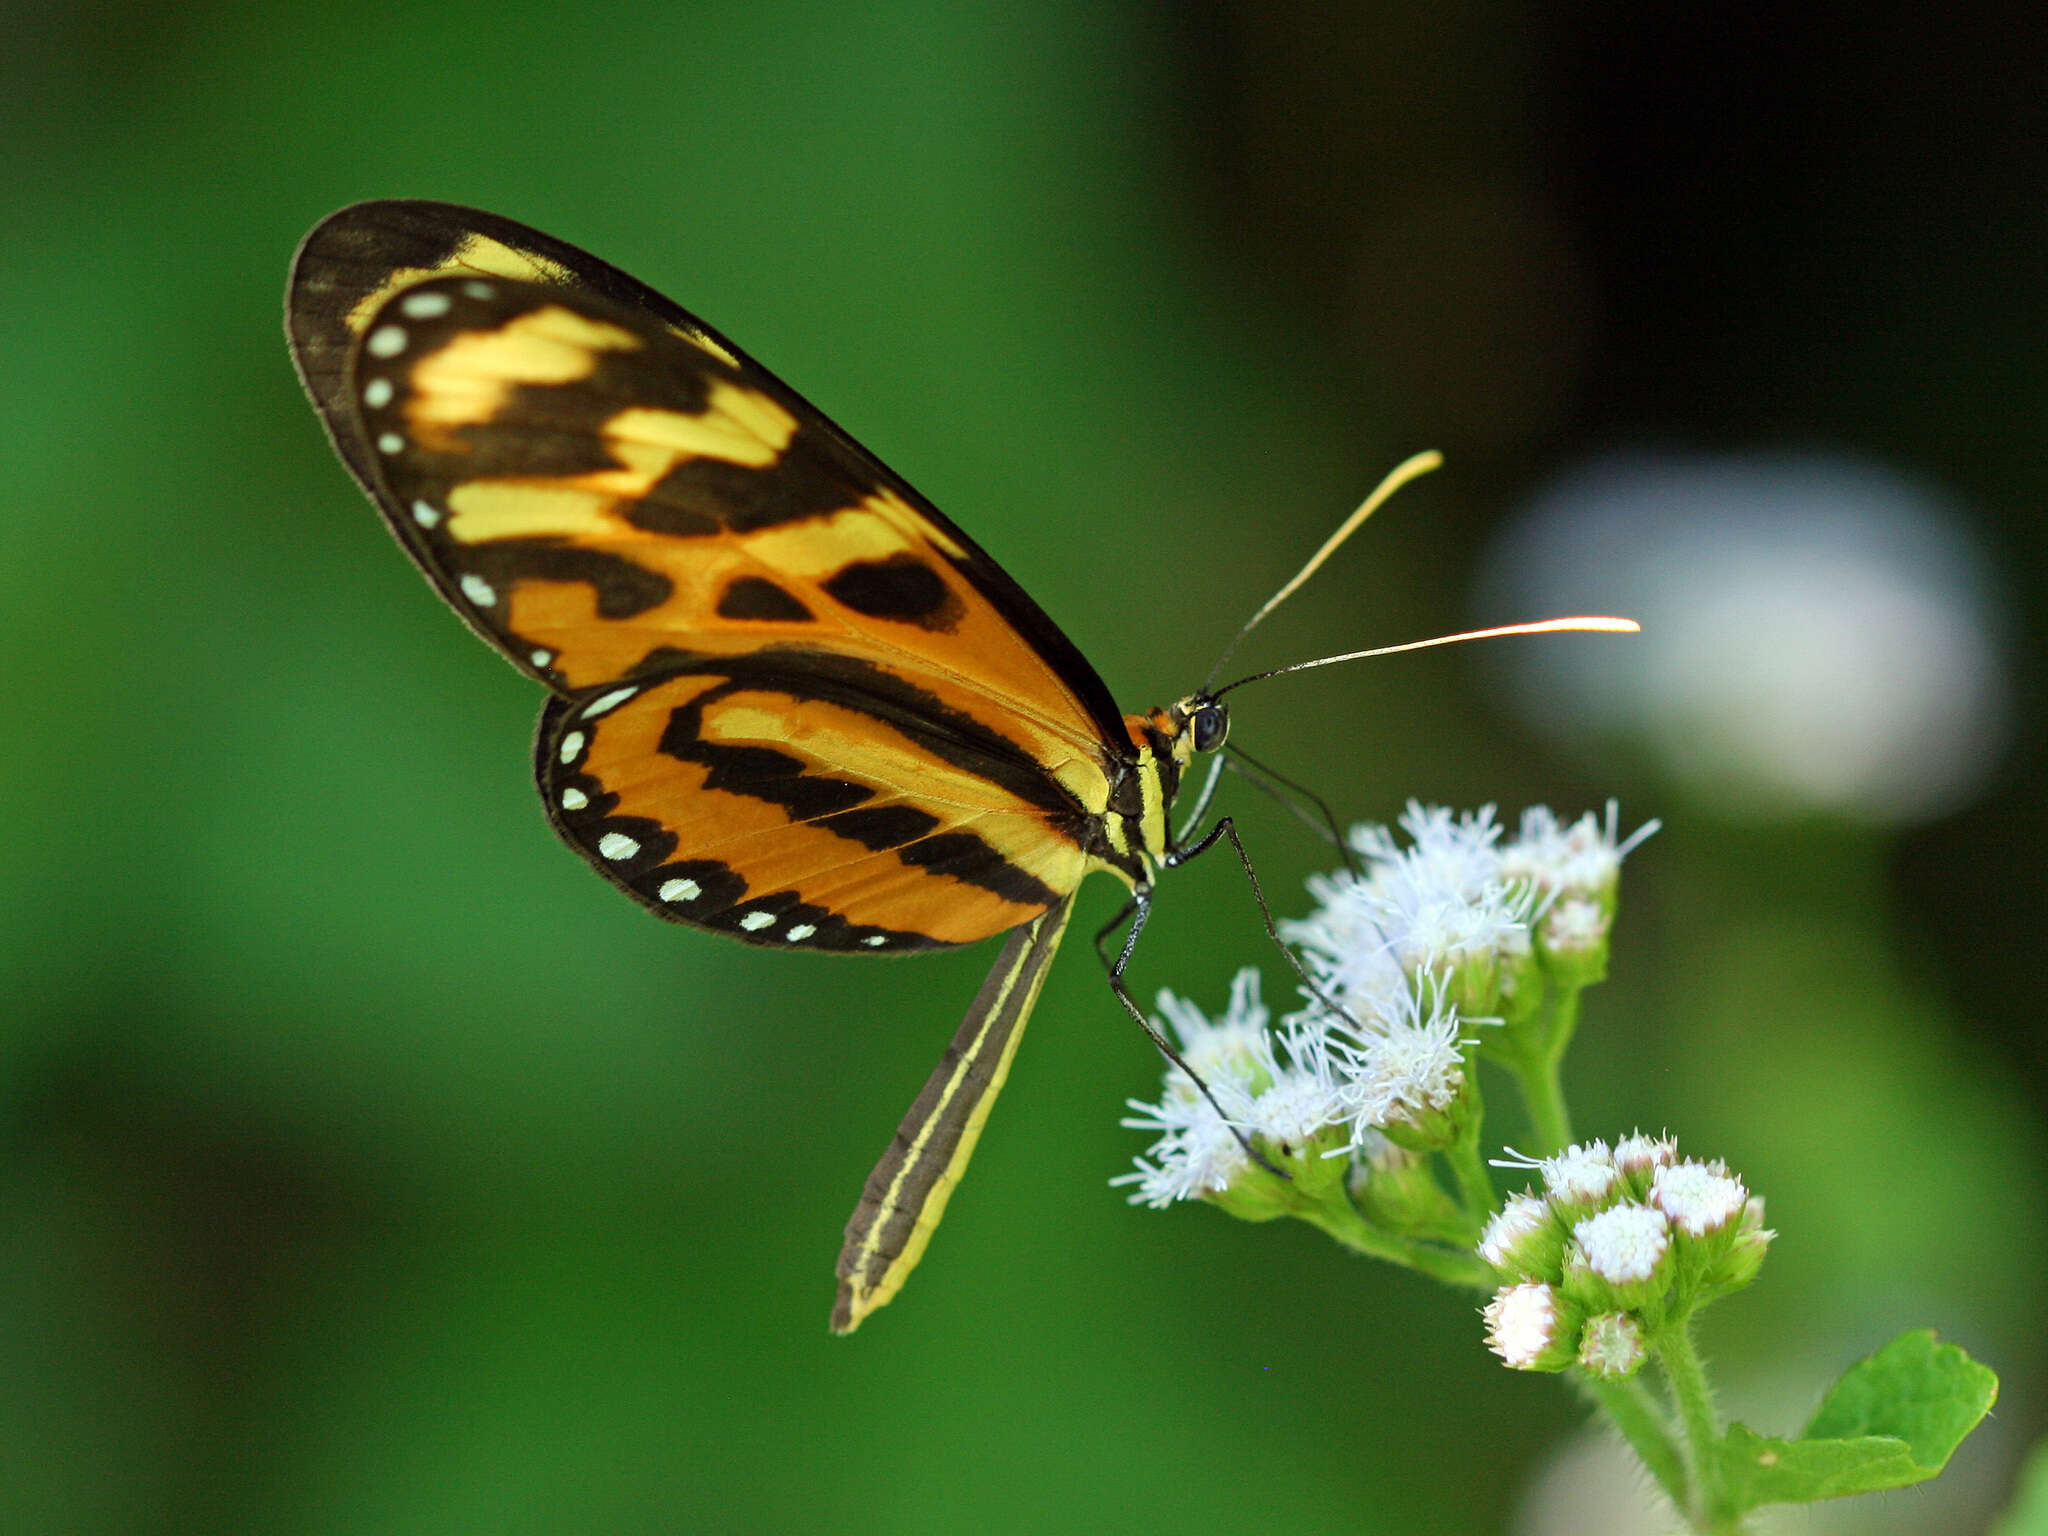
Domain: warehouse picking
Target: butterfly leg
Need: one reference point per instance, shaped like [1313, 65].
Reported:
[1102, 935]
[1227, 828]
[1201, 806]
[1138, 909]
[1273, 783]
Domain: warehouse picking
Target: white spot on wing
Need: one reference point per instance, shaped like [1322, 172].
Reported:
[800, 932]
[571, 748]
[390, 442]
[754, 922]
[386, 341]
[426, 516]
[616, 846]
[573, 799]
[377, 394]
[479, 290]
[425, 306]
[874, 941]
[607, 701]
[478, 591]
[680, 890]
[542, 658]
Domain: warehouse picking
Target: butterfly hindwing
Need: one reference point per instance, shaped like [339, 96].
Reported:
[802, 800]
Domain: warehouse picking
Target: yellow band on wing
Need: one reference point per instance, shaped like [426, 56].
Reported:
[906, 1194]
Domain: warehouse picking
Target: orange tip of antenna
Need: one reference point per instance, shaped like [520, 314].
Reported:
[1600, 622]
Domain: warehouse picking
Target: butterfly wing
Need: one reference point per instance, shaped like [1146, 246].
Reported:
[358, 258]
[794, 703]
[357, 261]
[810, 799]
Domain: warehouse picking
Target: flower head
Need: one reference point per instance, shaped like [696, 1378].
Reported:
[1521, 1239]
[1406, 1074]
[1583, 859]
[1196, 1154]
[1651, 1237]
[1612, 1346]
[1531, 1327]
[1433, 907]
[1221, 1046]
[1698, 1197]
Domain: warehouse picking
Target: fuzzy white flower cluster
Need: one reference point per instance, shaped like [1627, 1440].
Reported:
[1403, 947]
[1441, 902]
[1622, 1240]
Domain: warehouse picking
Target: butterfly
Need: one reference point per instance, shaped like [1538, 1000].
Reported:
[789, 700]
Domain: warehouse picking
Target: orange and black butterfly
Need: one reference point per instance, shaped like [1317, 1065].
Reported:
[790, 701]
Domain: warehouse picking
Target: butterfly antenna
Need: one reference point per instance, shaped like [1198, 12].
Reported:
[1594, 623]
[1409, 469]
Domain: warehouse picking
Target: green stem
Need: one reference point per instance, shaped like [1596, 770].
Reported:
[1536, 1058]
[1475, 1184]
[1543, 1095]
[1643, 1425]
[1711, 1509]
[1562, 1024]
[1344, 1224]
[1468, 1165]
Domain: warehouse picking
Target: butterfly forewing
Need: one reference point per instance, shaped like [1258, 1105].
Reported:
[356, 260]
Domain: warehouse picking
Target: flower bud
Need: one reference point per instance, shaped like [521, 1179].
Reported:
[1639, 1157]
[1703, 1201]
[1619, 1259]
[1523, 1241]
[1745, 1254]
[1611, 1346]
[1317, 1176]
[1397, 1189]
[1580, 1179]
[1573, 942]
[1700, 1198]
[1532, 1327]
[1252, 1194]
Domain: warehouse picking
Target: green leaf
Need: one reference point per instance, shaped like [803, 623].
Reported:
[2028, 1515]
[1892, 1420]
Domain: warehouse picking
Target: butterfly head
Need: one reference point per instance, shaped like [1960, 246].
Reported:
[1176, 733]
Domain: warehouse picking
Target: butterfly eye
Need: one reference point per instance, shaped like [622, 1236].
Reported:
[1210, 724]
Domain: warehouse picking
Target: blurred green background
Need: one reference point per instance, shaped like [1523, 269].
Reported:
[367, 1166]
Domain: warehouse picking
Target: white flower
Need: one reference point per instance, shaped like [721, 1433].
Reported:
[1215, 1047]
[1575, 924]
[1410, 1065]
[1522, 1323]
[1437, 904]
[1698, 1197]
[1521, 1218]
[1580, 1175]
[1583, 859]
[1638, 1153]
[1283, 1087]
[1624, 1243]
[1459, 857]
[1303, 1096]
[1196, 1153]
